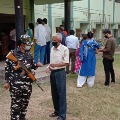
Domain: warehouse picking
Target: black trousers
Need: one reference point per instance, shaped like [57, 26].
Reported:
[108, 68]
[47, 53]
[58, 90]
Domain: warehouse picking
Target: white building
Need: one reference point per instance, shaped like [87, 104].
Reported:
[85, 15]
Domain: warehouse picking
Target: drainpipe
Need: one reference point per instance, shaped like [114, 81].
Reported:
[72, 13]
[50, 16]
[113, 11]
[89, 14]
[113, 16]
[32, 11]
[103, 12]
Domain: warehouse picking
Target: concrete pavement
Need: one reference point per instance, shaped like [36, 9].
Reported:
[40, 73]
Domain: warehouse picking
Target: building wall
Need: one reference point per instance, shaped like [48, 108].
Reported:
[57, 12]
[7, 7]
[117, 15]
[81, 15]
[87, 15]
[41, 11]
[96, 10]
[80, 10]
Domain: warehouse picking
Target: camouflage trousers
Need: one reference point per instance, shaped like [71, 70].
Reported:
[20, 92]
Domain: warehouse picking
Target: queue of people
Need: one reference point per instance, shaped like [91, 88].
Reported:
[41, 38]
[83, 62]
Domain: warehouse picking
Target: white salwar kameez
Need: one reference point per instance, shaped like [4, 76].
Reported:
[82, 79]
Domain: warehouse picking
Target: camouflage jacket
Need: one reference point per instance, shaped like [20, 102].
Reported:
[14, 75]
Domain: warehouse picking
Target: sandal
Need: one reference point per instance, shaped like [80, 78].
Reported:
[53, 114]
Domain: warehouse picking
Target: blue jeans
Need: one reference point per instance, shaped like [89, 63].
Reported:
[58, 90]
[39, 50]
[47, 53]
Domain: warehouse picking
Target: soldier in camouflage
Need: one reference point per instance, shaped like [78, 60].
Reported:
[19, 84]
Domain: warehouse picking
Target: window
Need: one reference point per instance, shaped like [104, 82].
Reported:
[115, 33]
[118, 1]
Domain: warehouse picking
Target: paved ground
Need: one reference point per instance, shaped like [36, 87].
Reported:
[40, 72]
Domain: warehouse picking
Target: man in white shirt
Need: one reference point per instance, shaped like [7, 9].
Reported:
[40, 41]
[72, 44]
[47, 52]
[59, 58]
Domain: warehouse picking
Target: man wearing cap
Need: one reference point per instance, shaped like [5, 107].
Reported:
[59, 59]
[108, 57]
[18, 82]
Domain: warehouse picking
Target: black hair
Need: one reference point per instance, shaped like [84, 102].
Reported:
[106, 31]
[31, 25]
[39, 20]
[90, 35]
[84, 36]
[72, 32]
[58, 29]
[45, 20]
[61, 26]
[19, 43]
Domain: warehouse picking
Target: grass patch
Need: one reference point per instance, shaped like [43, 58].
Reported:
[97, 103]
[1, 84]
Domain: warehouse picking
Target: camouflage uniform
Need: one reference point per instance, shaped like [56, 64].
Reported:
[20, 86]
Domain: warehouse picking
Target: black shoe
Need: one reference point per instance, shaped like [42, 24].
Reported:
[106, 84]
[22, 119]
[113, 82]
[73, 73]
[67, 72]
[59, 118]
[55, 114]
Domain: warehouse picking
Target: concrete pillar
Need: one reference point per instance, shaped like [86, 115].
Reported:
[50, 16]
[19, 19]
[67, 14]
[32, 11]
[71, 13]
